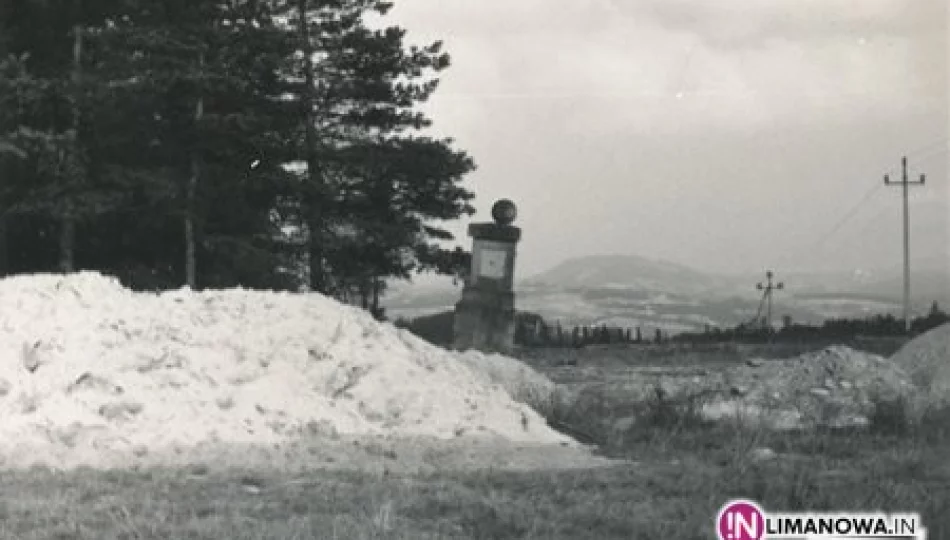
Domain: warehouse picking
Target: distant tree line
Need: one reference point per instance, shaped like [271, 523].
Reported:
[880, 325]
[532, 330]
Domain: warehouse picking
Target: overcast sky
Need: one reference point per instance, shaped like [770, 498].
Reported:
[731, 135]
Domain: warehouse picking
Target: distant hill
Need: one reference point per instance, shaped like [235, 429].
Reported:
[632, 291]
[630, 272]
[411, 301]
[926, 285]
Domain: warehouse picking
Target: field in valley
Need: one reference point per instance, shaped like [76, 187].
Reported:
[678, 474]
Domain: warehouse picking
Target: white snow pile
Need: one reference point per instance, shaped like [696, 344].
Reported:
[88, 368]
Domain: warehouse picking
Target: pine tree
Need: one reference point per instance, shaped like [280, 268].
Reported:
[138, 163]
[357, 89]
[46, 127]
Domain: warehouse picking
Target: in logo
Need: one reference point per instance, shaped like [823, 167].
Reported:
[740, 520]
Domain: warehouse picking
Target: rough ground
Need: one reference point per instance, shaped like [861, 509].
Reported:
[835, 387]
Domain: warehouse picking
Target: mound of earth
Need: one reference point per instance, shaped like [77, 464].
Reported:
[834, 387]
[93, 374]
[926, 359]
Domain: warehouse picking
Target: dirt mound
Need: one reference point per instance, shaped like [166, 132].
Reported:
[90, 371]
[834, 387]
[926, 359]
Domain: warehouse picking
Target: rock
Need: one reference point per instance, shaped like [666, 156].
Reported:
[761, 454]
[624, 424]
[5, 387]
[665, 389]
[755, 362]
[251, 487]
[848, 421]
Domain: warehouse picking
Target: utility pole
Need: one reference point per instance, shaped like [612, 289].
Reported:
[904, 183]
[767, 297]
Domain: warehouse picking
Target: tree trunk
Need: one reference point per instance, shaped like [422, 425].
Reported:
[376, 288]
[67, 240]
[190, 262]
[317, 276]
[314, 196]
[191, 265]
[4, 246]
[344, 293]
[67, 231]
[364, 293]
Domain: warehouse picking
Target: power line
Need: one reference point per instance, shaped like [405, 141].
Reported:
[939, 146]
[847, 217]
[930, 150]
[867, 225]
[876, 188]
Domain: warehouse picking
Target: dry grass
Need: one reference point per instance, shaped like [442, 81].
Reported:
[695, 354]
[684, 470]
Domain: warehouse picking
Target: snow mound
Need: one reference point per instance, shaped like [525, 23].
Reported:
[89, 368]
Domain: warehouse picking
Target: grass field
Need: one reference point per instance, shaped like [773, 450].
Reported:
[673, 490]
[681, 472]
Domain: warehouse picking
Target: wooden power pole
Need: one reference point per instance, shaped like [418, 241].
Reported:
[904, 183]
[767, 297]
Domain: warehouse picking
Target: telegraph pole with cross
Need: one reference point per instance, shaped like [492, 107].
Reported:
[904, 183]
[767, 297]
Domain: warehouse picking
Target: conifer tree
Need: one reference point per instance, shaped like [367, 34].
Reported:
[157, 152]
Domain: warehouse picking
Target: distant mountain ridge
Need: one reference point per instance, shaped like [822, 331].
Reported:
[632, 291]
[630, 271]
